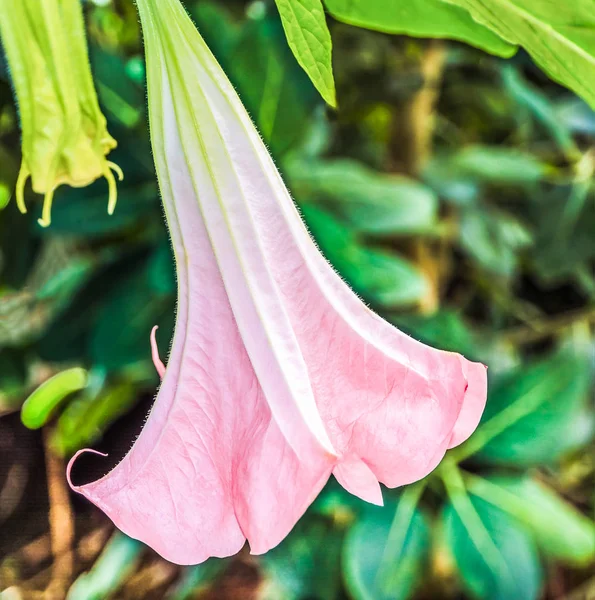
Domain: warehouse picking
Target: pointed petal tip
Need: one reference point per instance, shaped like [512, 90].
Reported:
[358, 479]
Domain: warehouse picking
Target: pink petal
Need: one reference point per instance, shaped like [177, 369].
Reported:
[357, 478]
[474, 402]
[278, 373]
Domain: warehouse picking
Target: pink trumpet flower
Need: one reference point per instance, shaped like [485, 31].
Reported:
[278, 374]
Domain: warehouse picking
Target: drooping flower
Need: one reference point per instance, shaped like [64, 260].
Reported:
[64, 135]
[278, 376]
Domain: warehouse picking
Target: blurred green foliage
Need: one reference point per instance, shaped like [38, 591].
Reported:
[486, 250]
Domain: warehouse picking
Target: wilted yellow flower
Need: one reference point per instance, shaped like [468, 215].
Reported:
[65, 139]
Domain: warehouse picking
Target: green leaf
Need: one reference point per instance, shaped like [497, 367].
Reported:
[306, 564]
[59, 271]
[495, 556]
[498, 165]
[559, 36]
[559, 529]
[386, 550]
[542, 109]
[493, 239]
[371, 202]
[420, 18]
[42, 403]
[121, 97]
[308, 36]
[379, 276]
[535, 414]
[564, 243]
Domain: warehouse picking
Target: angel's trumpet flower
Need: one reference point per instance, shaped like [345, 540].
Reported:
[278, 374]
[64, 135]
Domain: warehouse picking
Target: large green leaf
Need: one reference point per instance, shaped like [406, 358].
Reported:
[305, 26]
[560, 36]
[496, 557]
[385, 551]
[535, 414]
[559, 529]
[419, 18]
[371, 202]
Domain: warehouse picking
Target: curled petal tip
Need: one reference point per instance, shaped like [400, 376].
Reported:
[20, 190]
[113, 191]
[159, 366]
[114, 167]
[73, 487]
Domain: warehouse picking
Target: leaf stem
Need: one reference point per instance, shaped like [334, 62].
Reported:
[455, 488]
[397, 535]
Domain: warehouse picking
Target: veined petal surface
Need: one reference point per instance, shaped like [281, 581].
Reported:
[278, 374]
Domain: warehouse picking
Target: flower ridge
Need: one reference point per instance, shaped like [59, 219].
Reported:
[278, 375]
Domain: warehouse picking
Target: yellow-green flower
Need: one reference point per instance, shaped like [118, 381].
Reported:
[65, 139]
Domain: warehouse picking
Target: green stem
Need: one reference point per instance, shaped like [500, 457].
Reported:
[497, 496]
[455, 488]
[397, 535]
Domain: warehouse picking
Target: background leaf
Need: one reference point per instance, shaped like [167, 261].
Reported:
[516, 575]
[537, 413]
[419, 18]
[310, 41]
[368, 545]
[559, 37]
[372, 203]
[560, 531]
